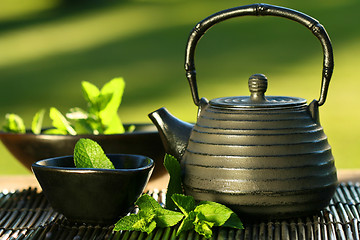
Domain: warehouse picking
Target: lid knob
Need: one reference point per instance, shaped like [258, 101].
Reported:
[258, 86]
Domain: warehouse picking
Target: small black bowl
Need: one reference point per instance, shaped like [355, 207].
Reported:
[90, 195]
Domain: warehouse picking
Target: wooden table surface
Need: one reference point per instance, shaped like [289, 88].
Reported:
[14, 182]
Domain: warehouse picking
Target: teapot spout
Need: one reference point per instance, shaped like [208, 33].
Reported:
[174, 133]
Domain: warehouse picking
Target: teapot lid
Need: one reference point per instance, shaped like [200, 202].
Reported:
[257, 86]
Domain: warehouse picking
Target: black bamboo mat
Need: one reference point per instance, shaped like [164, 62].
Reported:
[26, 214]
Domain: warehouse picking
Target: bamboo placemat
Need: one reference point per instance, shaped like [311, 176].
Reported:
[26, 214]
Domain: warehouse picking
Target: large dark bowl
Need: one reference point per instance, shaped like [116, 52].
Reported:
[94, 196]
[29, 148]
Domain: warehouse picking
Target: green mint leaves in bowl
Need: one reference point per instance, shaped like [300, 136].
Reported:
[99, 122]
[101, 116]
[99, 189]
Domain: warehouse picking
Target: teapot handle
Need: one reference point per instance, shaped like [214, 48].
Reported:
[260, 10]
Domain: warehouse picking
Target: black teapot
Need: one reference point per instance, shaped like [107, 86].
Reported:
[262, 156]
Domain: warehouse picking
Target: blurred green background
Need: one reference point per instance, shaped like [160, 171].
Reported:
[47, 47]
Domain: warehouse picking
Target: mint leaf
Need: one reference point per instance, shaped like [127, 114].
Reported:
[150, 215]
[90, 92]
[89, 154]
[234, 222]
[114, 126]
[185, 203]
[187, 224]
[37, 121]
[146, 202]
[104, 100]
[111, 94]
[164, 217]
[172, 165]
[202, 226]
[127, 223]
[14, 123]
[214, 212]
[60, 122]
[167, 218]
[204, 216]
[92, 96]
[143, 221]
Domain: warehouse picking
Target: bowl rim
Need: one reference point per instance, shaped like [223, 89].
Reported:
[148, 166]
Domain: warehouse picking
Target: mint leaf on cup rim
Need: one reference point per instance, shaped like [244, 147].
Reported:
[89, 154]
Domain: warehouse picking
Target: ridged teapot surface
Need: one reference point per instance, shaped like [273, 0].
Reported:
[262, 156]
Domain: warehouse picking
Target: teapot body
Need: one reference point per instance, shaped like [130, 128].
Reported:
[270, 164]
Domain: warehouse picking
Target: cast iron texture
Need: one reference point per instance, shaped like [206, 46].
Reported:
[264, 157]
[99, 196]
[29, 148]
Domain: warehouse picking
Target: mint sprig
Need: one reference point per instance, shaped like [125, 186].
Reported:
[100, 117]
[200, 217]
[103, 105]
[89, 154]
[205, 215]
[150, 216]
[14, 123]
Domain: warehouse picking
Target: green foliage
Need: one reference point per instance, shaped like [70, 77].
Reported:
[186, 204]
[89, 154]
[37, 121]
[100, 118]
[143, 221]
[172, 165]
[102, 106]
[60, 123]
[14, 124]
[205, 215]
[201, 217]
[150, 215]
